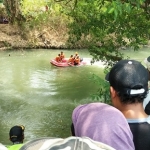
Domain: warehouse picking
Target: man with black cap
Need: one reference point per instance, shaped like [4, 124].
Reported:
[128, 87]
[16, 135]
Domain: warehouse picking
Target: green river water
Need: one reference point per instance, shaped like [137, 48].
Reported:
[41, 96]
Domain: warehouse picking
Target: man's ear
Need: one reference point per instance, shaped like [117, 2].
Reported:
[114, 97]
[113, 93]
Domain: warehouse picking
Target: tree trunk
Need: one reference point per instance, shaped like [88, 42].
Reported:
[13, 11]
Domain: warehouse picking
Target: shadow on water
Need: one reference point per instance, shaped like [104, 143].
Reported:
[41, 96]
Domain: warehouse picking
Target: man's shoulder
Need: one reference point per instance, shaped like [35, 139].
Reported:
[139, 121]
[15, 147]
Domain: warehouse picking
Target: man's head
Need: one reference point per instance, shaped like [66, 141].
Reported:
[16, 134]
[129, 80]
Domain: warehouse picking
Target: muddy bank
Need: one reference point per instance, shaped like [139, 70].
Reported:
[13, 38]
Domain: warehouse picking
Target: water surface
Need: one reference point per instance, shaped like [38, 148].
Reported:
[41, 96]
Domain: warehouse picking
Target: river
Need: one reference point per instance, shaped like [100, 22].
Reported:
[40, 96]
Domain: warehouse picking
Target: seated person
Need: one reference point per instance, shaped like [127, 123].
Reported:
[58, 59]
[71, 60]
[128, 81]
[75, 56]
[102, 123]
[77, 61]
[70, 143]
[62, 56]
[16, 136]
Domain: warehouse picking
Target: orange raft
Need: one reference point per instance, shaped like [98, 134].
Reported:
[65, 63]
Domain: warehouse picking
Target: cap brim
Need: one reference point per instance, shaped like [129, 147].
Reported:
[107, 77]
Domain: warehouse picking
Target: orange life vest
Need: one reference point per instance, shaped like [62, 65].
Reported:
[57, 58]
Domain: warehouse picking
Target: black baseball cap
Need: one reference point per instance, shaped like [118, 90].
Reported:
[128, 77]
[16, 132]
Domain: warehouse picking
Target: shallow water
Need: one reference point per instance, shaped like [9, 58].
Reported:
[41, 96]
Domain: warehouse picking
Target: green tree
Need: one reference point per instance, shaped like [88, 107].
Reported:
[105, 26]
[13, 8]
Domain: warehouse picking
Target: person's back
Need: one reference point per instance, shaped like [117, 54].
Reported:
[71, 60]
[16, 136]
[102, 123]
[76, 55]
[141, 132]
[58, 58]
[128, 87]
[77, 61]
[15, 147]
[62, 56]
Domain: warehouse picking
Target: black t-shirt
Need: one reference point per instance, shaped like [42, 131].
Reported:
[141, 133]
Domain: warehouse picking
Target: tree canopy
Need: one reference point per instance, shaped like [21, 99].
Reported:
[102, 26]
[105, 26]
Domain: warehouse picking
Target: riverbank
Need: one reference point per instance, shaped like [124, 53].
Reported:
[12, 37]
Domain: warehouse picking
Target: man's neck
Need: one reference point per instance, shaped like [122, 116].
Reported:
[133, 111]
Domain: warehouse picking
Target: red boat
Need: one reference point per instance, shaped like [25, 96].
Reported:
[65, 63]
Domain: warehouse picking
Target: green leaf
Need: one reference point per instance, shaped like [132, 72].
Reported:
[111, 10]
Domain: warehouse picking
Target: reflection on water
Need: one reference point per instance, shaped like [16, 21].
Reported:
[41, 96]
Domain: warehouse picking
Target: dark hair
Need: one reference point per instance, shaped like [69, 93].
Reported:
[130, 99]
[17, 139]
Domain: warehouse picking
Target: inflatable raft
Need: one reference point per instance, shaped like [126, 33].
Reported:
[65, 63]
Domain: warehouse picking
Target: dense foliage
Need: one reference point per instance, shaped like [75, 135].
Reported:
[106, 26]
[13, 9]
[102, 26]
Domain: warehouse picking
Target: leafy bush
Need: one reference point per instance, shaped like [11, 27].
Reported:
[102, 94]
